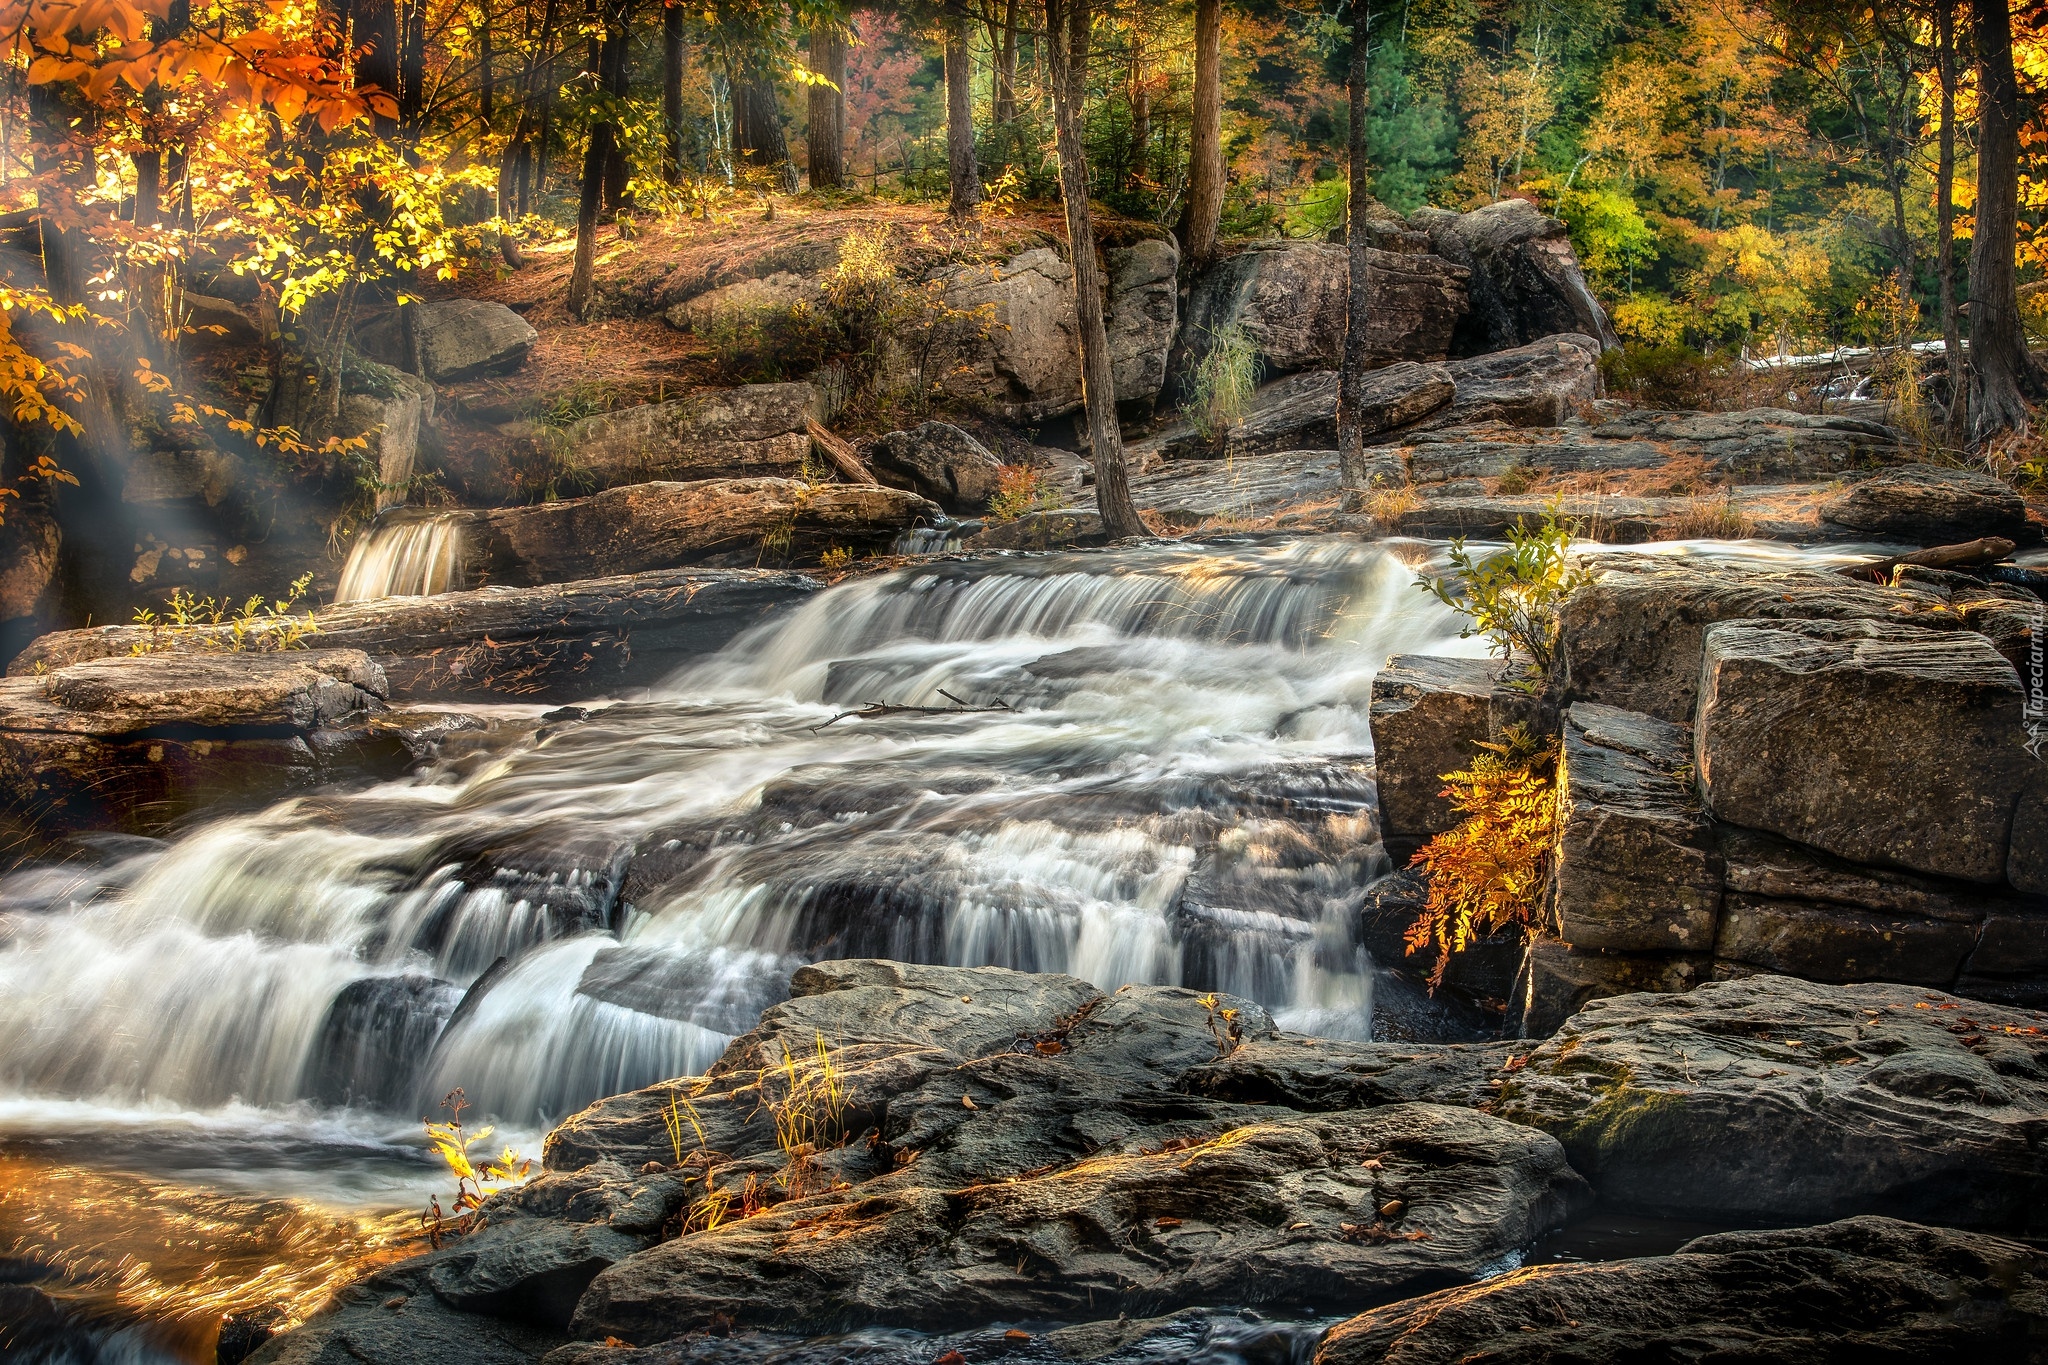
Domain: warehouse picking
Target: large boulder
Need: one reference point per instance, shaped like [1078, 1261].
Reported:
[1774, 1100]
[1292, 300]
[1864, 1289]
[1540, 384]
[643, 526]
[745, 302]
[1880, 742]
[750, 431]
[941, 462]
[1017, 346]
[1932, 505]
[1534, 287]
[1762, 445]
[139, 740]
[1635, 636]
[1636, 869]
[469, 338]
[557, 642]
[1429, 716]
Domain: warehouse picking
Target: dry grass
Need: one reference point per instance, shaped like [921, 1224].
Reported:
[1708, 517]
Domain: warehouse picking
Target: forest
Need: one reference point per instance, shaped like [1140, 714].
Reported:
[1740, 177]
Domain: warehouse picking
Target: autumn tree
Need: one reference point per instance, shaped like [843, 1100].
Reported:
[1354, 364]
[1205, 140]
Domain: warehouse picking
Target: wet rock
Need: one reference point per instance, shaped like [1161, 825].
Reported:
[648, 526]
[531, 1270]
[1559, 979]
[1291, 299]
[1879, 742]
[242, 1333]
[748, 431]
[1932, 505]
[1774, 1100]
[1635, 867]
[138, 740]
[1482, 973]
[942, 463]
[561, 642]
[1255, 1214]
[469, 338]
[1536, 286]
[1862, 1289]
[395, 1319]
[377, 1034]
[1634, 637]
[1323, 1075]
[1429, 715]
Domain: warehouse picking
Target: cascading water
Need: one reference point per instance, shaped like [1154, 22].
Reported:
[405, 554]
[1143, 765]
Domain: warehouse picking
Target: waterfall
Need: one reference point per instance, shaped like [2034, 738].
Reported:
[404, 554]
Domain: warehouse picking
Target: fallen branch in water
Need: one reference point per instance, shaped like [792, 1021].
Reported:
[1971, 554]
[875, 710]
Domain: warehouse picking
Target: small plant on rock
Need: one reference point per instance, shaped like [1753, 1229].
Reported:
[453, 1145]
[255, 627]
[1514, 596]
[1021, 490]
[1488, 874]
[1224, 383]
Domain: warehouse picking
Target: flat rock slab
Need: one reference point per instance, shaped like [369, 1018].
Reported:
[134, 741]
[1933, 505]
[1864, 1289]
[1772, 1099]
[1881, 742]
[558, 642]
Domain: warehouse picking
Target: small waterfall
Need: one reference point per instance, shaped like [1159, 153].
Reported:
[404, 554]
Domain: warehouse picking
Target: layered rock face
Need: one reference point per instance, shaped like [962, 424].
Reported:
[1932, 505]
[139, 740]
[1525, 281]
[752, 430]
[1768, 772]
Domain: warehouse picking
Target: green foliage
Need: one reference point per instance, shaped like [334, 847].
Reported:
[1668, 376]
[1608, 233]
[1223, 385]
[1514, 596]
[255, 627]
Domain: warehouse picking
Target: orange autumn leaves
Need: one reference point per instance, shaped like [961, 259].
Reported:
[287, 63]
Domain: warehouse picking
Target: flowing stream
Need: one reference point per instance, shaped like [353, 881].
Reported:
[1148, 765]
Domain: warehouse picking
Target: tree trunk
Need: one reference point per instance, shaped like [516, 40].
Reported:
[1945, 225]
[1141, 116]
[376, 40]
[412, 65]
[1068, 27]
[1006, 68]
[674, 56]
[1205, 143]
[961, 172]
[617, 83]
[757, 126]
[827, 130]
[2004, 374]
[596, 156]
[1351, 374]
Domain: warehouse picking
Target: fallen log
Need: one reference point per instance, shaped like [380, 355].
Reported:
[1970, 555]
[840, 454]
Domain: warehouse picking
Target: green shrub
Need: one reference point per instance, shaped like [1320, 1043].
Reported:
[1223, 385]
[1514, 596]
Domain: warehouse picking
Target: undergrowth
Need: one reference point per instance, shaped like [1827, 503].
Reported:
[254, 627]
[1224, 383]
[1488, 874]
[1514, 596]
[1021, 490]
